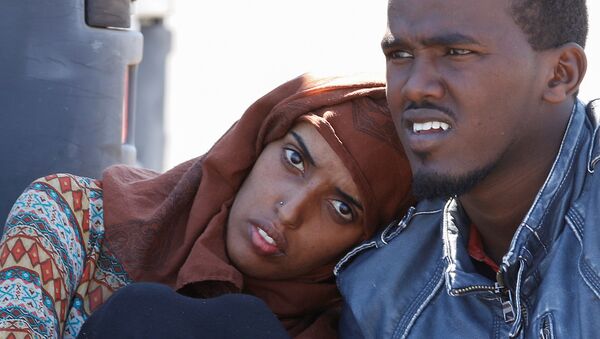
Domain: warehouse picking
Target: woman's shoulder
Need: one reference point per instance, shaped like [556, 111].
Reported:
[65, 182]
[66, 195]
[73, 189]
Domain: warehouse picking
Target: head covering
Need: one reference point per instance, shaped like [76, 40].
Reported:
[170, 227]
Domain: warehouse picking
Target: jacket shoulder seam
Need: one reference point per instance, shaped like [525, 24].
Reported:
[587, 273]
[420, 302]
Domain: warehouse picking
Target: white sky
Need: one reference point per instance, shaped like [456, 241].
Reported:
[226, 54]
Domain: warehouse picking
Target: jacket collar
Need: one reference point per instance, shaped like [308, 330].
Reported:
[544, 221]
[594, 150]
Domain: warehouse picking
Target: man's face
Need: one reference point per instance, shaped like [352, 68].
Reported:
[464, 88]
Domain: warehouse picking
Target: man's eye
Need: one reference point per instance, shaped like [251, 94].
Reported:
[459, 51]
[400, 55]
[343, 210]
[294, 158]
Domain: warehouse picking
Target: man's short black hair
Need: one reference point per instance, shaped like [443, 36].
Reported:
[551, 23]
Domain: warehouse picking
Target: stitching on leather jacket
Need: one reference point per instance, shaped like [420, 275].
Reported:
[589, 276]
[420, 302]
[397, 227]
[593, 161]
[537, 236]
[393, 229]
[587, 273]
[351, 254]
[546, 326]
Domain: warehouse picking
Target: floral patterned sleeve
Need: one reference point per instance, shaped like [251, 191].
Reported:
[54, 270]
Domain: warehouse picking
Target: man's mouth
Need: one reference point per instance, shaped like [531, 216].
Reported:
[430, 126]
[427, 120]
[426, 130]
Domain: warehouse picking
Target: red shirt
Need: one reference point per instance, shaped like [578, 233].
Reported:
[476, 251]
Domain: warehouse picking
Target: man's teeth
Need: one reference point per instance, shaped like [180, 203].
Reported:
[265, 236]
[429, 125]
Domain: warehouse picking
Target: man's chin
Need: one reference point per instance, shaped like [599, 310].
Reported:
[431, 185]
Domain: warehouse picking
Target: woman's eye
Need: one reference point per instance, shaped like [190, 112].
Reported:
[459, 51]
[343, 210]
[294, 158]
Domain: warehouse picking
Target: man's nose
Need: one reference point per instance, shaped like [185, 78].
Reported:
[423, 82]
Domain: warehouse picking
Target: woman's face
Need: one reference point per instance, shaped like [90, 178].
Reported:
[297, 210]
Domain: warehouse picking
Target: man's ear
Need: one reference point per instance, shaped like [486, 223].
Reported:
[568, 64]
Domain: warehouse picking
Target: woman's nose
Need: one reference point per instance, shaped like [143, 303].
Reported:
[291, 208]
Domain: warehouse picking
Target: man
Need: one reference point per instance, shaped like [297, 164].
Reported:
[506, 242]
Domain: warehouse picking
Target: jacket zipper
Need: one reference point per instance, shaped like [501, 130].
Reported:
[506, 299]
[504, 294]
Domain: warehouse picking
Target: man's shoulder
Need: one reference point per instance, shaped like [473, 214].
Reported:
[402, 266]
[421, 224]
[402, 251]
[583, 214]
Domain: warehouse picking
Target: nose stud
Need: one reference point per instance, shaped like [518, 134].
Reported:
[281, 203]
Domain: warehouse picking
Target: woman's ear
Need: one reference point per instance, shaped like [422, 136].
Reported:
[568, 65]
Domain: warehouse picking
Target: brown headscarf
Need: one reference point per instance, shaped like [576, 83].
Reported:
[170, 227]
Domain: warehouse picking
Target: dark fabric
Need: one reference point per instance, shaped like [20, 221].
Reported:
[150, 310]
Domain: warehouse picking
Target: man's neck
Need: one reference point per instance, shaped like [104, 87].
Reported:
[498, 212]
[498, 204]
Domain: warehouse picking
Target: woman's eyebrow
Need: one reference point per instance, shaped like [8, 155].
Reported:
[349, 198]
[304, 148]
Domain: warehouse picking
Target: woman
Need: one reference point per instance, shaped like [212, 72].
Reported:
[308, 171]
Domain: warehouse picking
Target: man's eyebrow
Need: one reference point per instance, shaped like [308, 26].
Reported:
[304, 148]
[450, 39]
[349, 198]
[390, 41]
